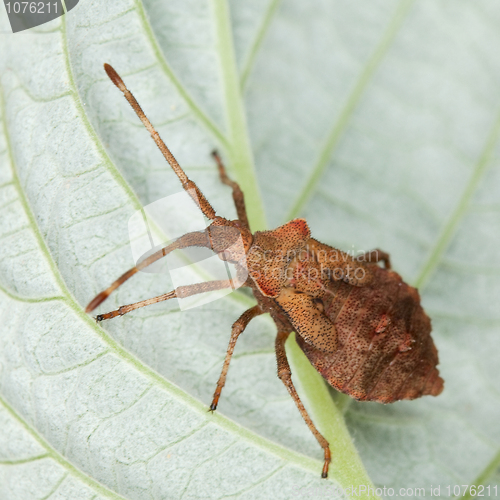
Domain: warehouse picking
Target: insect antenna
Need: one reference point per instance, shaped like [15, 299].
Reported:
[187, 184]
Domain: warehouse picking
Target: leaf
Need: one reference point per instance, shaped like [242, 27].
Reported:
[377, 122]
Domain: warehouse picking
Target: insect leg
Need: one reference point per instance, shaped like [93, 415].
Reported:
[199, 239]
[238, 197]
[377, 256]
[285, 375]
[179, 292]
[238, 327]
[187, 184]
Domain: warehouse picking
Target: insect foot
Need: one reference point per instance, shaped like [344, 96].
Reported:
[359, 324]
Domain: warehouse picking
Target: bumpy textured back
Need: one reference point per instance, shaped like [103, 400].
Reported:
[385, 351]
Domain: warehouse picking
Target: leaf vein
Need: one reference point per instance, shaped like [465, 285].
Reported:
[209, 124]
[488, 471]
[340, 124]
[257, 43]
[450, 227]
[57, 457]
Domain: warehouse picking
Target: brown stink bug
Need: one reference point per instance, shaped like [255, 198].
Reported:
[359, 324]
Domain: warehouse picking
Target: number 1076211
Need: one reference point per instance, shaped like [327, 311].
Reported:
[31, 7]
[472, 490]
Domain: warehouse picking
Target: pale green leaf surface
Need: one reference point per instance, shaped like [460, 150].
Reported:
[377, 122]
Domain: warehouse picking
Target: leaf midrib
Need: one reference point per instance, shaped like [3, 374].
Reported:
[236, 143]
[239, 142]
